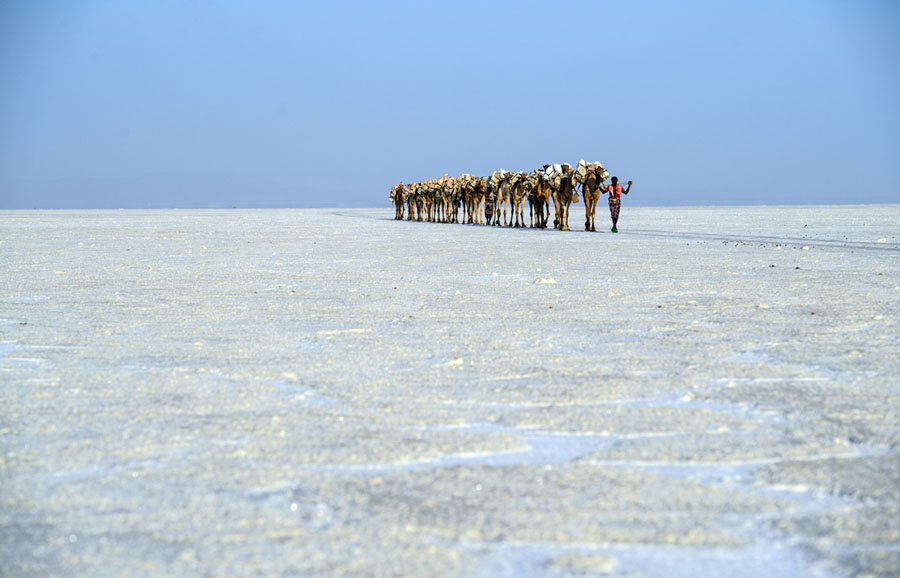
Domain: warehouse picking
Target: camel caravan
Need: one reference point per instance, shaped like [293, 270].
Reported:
[499, 199]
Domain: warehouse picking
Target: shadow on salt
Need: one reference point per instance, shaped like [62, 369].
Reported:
[753, 357]
[539, 449]
[759, 560]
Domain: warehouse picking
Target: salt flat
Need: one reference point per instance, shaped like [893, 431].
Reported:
[712, 391]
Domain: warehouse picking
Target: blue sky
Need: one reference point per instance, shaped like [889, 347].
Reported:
[107, 104]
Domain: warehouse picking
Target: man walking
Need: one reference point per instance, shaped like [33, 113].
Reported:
[615, 191]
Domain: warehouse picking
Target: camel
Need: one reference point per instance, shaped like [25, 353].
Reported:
[396, 196]
[498, 188]
[409, 196]
[423, 202]
[479, 194]
[591, 177]
[431, 201]
[420, 202]
[442, 195]
[456, 194]
[462, 197]
[563, 193]
[465, 195]
[539, 198]
[517, 197]
[471, 194]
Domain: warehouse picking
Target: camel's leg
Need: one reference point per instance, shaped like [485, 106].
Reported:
[594, 200]
[556, 212]
[589, 206]
[588, 200]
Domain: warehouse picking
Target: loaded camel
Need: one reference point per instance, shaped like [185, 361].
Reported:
[591, 177]
[563, 193]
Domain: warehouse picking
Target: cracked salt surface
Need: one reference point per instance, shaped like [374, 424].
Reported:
[315, 393]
